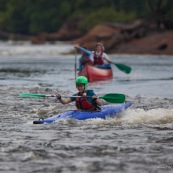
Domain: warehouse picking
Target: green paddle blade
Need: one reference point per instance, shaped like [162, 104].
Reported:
[113, 98]
[123, 67]
[28, 95]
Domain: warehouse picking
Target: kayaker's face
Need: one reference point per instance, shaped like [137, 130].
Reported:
[98, 48]
[80, 87]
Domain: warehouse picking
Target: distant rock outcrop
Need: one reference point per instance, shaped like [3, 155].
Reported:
[153, 43]
[112, 34]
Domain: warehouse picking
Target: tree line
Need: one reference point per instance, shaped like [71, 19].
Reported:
[31, 17]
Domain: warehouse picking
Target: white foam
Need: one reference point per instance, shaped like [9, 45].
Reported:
[134, 117]
[29, 49]
[153, 116]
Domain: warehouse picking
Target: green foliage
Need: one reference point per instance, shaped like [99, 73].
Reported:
[106, 15]
[35, 16]
[13, 18]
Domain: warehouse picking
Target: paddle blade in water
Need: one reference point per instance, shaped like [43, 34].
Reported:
[113, 98]
[28, 95]
[124, 68]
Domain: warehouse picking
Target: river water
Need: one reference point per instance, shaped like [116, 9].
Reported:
[138, 140]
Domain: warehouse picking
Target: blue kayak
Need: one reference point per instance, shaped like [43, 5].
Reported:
[106, 111]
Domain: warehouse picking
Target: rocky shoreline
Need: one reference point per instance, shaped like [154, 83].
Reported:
[139, 37]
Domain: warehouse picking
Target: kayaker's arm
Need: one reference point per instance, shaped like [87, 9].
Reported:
[97, 100]
[85, 51]
[88, 52]
[106, 57]
[63, 101]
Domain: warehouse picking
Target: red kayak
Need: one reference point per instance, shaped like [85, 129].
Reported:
[95, 74]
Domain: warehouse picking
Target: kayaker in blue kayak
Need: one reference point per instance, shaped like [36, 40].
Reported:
[85, 99]
[101, 59]
[86, 57]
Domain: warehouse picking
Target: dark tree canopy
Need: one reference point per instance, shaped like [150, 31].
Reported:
[35, 16]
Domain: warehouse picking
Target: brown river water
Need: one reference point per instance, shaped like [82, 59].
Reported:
[139, 140]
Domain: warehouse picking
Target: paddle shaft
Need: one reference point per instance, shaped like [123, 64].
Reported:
[67, 96]
[75, 63]
[111, 97]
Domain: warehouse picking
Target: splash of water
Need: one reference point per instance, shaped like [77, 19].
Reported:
[133, 117]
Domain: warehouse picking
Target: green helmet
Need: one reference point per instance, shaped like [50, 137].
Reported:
[82, 80]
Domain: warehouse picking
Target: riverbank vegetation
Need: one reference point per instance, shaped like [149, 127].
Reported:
[30, 17]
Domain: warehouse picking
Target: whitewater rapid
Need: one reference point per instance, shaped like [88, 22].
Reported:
[138, 140]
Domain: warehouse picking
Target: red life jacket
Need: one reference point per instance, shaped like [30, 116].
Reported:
[98, 60]
[83, 104]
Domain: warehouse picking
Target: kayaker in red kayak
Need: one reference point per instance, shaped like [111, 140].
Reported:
[86, 57]
[85, 99]
[101, 59]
